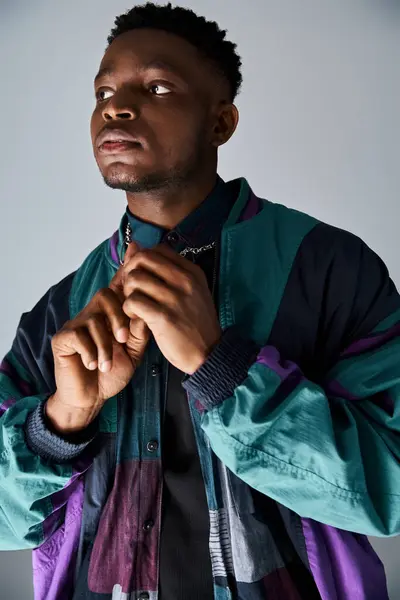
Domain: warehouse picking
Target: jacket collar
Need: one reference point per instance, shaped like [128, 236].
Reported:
[222, 208]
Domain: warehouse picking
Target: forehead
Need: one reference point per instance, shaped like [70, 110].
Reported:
[135, 50]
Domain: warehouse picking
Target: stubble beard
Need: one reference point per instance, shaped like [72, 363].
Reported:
[176, 178]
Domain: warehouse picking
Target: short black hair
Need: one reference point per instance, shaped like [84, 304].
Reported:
[205, 35]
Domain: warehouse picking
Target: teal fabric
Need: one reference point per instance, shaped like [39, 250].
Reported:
[256, 259]
[334, 461]
[27, 481]
[387, 323]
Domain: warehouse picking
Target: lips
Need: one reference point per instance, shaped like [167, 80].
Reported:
[117, 140]
[118, 147]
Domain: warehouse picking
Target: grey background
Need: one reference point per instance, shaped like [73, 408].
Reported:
[319, 131]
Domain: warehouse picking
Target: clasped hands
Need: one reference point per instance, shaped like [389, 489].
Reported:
[170, 294]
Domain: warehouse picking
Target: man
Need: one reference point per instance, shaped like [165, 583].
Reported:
[208, 407]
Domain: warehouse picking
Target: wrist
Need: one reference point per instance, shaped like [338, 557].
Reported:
[64, 419]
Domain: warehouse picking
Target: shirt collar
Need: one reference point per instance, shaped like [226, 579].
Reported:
[202, 226]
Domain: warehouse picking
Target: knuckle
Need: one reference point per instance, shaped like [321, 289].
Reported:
[103, 294]
[94, 320]
[187, 284]
[140, 255]
[107, 302]
[128, 305]
[79, 336]
[130, 284]
[133, 276]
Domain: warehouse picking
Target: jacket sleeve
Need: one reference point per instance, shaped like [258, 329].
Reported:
[328, 451]
[37, 467]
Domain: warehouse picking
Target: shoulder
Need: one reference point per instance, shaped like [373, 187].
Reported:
[352, 278]
[95, 272]
[333, 249]
[336, 273]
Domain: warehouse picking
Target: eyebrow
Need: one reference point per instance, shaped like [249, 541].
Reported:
[156, 64]
[162, 65]
[104, 72]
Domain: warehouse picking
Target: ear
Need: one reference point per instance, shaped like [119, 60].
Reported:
[227, 119]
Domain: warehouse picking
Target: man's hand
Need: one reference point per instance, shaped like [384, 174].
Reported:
[95, 356]
[171, 295]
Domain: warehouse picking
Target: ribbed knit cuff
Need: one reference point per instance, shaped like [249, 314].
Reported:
[48, 444]
[225, 369]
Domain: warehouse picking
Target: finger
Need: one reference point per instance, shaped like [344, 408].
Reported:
[116, 282]
[97, 327]
[109, 303]
[177, 258]
[138, 328]
[76, 341]
[140, 280]
[139, 336]
[160, 265]
[147, 309]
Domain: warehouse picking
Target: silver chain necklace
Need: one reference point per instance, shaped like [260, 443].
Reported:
[195, 251]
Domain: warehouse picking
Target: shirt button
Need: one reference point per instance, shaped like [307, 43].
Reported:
[173, 237]
[152, 446]
[143, 596]
[148, 525]
[155, 370]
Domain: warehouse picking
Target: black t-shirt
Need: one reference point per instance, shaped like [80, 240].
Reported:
[185, 564]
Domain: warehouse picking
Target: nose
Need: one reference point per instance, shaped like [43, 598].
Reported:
[120, 108]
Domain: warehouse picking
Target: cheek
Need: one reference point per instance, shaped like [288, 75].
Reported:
[181, 135]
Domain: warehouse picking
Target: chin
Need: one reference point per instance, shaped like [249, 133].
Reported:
[131, 180]
[121, 174]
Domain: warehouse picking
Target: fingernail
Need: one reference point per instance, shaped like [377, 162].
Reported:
[105, 366]
[93, 365]
[122, 335]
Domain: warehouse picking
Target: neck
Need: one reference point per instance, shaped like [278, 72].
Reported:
[167, 208]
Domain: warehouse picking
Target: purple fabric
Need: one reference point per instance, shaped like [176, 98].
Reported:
[270, 357]
[344, 564]
[7, 369]
[383, 399]
[199, 407]
[371, 343]
[23, 386]
[334, 388]
[8, 403]
[251, 208]
[114, 247]
[279, 585]
[54, 561]
[58, 501]
[120, 536]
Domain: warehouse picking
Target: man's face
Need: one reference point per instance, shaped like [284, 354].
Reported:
[155, 90]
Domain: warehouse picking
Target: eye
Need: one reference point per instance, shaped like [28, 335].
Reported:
[159, 90]
[99, 94]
